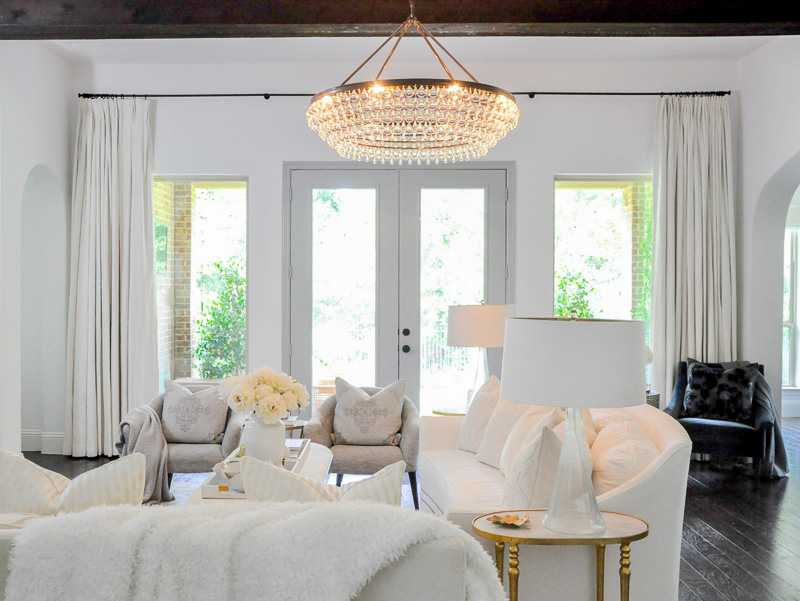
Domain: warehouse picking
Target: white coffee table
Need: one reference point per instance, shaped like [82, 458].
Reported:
[315, 466]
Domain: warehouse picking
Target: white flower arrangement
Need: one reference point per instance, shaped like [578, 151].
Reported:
[268, 395]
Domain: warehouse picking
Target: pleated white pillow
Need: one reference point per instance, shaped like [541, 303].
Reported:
[266, 482]
[504, 417]
[530, 424]
[478, 415]
[532, 476]
[620, 451]
[603, 417]
[27, 488]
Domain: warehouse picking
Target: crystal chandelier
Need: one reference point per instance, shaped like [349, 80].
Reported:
[413, 120]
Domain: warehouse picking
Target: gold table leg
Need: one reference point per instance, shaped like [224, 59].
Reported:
[601, 571]
[513, 571]
[499, 552]
[624, 572]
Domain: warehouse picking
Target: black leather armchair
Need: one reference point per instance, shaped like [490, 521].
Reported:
[722, 438]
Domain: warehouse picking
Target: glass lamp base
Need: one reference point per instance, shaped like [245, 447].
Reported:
[481, 359]
[573, 508]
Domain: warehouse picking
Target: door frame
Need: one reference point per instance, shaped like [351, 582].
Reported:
[495, 355]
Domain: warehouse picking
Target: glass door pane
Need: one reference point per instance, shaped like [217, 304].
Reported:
[452, 272]
[344, 278]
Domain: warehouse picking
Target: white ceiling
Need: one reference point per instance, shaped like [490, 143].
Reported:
[353, 50]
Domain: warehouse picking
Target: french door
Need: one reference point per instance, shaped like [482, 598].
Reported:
[376, 256]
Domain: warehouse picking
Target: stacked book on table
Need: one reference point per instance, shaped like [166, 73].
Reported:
[226, 481]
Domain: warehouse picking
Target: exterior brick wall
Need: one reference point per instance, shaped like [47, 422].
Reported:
[163, 210]
[639, 204]
[184, 328]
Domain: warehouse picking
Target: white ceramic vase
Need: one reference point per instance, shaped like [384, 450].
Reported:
[264, 441]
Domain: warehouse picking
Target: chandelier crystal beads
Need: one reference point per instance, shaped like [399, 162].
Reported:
[413, 120]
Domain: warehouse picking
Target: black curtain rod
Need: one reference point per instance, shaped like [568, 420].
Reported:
[528, 94]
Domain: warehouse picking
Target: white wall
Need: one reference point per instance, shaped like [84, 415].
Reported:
[253, 137]
[35, 113]
[771, 175]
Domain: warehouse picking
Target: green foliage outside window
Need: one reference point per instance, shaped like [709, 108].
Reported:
[221, 348]
[572, 293]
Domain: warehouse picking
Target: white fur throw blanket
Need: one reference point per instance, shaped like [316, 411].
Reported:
[226, 552]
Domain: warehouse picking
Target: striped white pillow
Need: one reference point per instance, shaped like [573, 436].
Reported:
[27, 488]
[266, 482]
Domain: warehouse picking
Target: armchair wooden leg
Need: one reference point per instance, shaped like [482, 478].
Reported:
[339, 479]
[169, 479]
[412, 479]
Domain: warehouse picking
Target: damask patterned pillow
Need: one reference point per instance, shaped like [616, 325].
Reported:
[193, 417]
[713, 392]
[361, 419]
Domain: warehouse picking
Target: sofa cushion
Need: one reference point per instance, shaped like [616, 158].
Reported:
[504, 417]
[266, 482]
[193, 417]
[620, 451]
[193, 458]
[361, 419]
[27, 488]
[530, 481]
[367, 459]
[478, 415]
[713, 392]
[530, 424]
[455, 479]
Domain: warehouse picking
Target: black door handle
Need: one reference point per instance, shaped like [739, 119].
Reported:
[406, 348]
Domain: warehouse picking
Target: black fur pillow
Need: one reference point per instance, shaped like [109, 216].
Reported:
[713, 392]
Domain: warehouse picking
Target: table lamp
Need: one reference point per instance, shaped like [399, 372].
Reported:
[577, 364]
[481, 326]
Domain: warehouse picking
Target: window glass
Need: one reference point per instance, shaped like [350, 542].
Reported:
[603, 249]
[201, 277]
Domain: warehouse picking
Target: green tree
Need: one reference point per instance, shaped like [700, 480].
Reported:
[572, 292]
[223, 322]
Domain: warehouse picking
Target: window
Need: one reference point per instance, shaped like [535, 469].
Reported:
[603, 248]
[201, 270]
[789, 334]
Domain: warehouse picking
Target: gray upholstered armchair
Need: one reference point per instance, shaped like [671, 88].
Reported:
[185, 458]
[356, 459]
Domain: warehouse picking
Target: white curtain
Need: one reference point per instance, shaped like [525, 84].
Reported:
[694, 277]
[112, 359]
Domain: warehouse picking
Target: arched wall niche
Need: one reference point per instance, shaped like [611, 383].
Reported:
[44, 290]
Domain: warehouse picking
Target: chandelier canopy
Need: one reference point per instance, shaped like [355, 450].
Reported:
[413, 120]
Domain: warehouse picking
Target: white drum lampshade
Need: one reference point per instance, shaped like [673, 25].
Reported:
[577, 364]
[481, 326]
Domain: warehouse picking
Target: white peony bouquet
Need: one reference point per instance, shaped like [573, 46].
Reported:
[268, 395]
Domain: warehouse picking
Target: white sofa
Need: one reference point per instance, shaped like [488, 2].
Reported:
[455, 485]
[435, 570]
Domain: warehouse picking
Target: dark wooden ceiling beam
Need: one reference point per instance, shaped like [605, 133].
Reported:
[98, 19]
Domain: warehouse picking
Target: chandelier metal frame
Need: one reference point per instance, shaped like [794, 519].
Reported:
[413, 120]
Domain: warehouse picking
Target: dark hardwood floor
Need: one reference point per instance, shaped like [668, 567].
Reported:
[741, 539]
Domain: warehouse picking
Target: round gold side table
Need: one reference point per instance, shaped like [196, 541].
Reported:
[621, 529]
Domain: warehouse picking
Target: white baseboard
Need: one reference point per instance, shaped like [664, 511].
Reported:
[47, 443]
[790, 407]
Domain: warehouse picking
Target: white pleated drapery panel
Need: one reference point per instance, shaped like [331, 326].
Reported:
[112, 358]
[694, 263]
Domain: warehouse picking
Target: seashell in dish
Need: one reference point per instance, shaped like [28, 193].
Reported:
[511, 520]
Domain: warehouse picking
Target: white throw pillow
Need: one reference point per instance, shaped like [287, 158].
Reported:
[504, 417]
[589, 432]
[266, 482]
[361, 419]
[532, 476]
[530, 424]
[27, 488]
[478, 415]
[603, 417]
[193, 417]
[620, 451]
